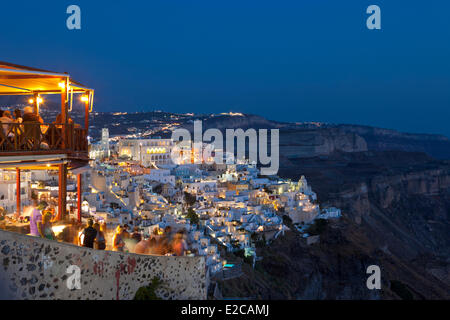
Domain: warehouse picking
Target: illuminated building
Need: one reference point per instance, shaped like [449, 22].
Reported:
[147, 151]
[100, 150]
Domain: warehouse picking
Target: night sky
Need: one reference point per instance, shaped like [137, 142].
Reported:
[302, 60]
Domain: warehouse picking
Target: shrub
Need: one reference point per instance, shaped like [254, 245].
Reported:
[192, 216]
[149, 292]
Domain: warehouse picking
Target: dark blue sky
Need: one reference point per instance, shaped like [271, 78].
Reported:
[299, 60]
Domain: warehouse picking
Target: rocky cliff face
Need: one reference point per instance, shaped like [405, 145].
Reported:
[377, 139]
[396, 208]
[411, 201]
[327, 139]
[303, 143]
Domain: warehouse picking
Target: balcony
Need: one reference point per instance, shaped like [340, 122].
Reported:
[40, 138]
[30, 139]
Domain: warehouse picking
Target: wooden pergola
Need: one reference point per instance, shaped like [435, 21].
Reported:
[22, 147]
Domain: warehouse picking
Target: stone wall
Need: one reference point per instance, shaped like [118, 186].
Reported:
[36, 268]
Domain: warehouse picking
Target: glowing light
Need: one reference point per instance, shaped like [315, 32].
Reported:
[62, 85]
[39, 100]
[58, 229]
[156, 150]
[31, 101]
[85, 206]
[84, 98]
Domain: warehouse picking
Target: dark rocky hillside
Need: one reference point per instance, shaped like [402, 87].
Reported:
[396, 208]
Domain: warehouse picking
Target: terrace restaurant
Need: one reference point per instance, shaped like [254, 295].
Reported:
[40, 144]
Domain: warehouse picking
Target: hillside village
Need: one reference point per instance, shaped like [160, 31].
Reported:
[229, 205]
[221, 207]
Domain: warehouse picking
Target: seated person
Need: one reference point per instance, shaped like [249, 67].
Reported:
[58, 121]
[32, 133]
[30, 116]
[18, 116]
[5, 117]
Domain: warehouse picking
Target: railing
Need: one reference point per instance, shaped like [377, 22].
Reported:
[37, 137]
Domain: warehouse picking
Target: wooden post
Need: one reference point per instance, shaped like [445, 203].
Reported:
[35, 104]
[79, 195]
[62, 191]
[86, 115]
[18, 192]
[65, 143]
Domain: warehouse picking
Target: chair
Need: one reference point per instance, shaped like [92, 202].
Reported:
[6, 140]
[54, 137]
[31, 137]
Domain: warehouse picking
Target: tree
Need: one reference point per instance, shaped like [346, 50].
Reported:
[192, 216]
[149, 292]
[158, 189]
[189, 198]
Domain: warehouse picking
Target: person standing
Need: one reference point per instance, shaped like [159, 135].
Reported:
[45, 227]
[136, 235]
[179, 245]
[100, 242]
[135, 238]
[89, 234]
[35, 217]
[118, 242]
[164, 243]
[125, 233]
[142, 247]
